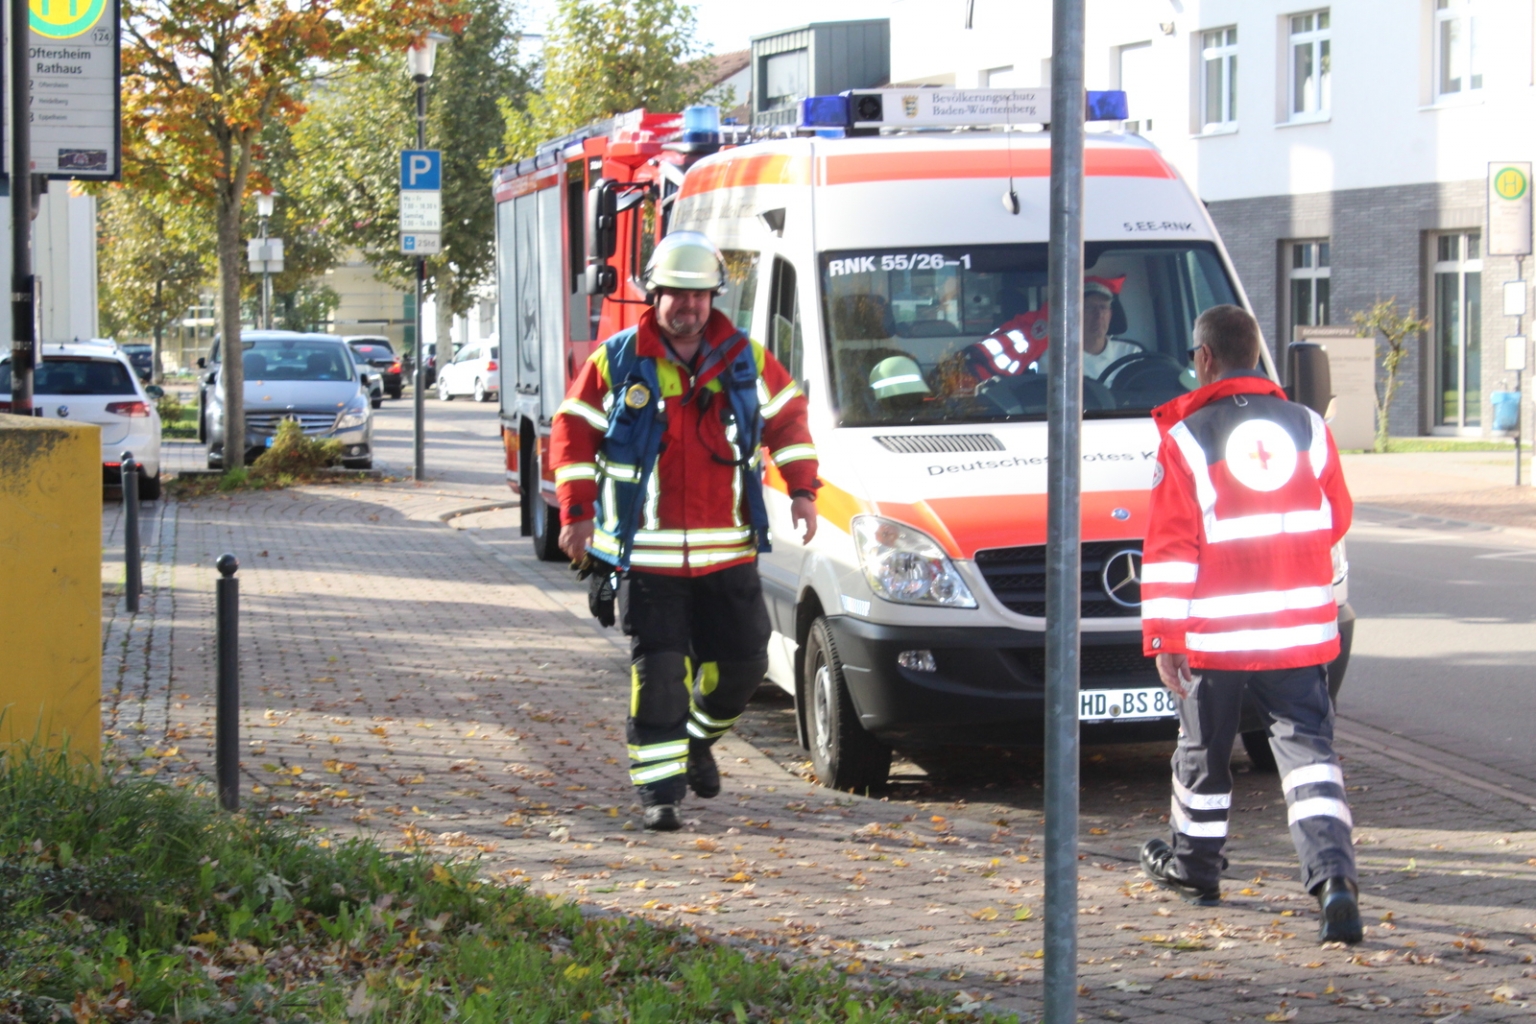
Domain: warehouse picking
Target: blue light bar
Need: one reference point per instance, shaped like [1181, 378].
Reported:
[701, 124]
[824, 112]
[1107, 105]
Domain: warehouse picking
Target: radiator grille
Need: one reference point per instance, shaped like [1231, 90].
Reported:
[928, 444]
[309, 422]
[1106, 660]
[1017, 579]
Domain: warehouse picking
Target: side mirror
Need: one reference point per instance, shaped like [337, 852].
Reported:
[600, 279]
[1311, 383]
[155, 391]
[202, 364]
[602, 220]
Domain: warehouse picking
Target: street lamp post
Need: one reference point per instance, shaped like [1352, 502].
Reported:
[265, 203]
[418, 61]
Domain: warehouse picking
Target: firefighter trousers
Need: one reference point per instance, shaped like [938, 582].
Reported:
[698, 650]
[1299, 713]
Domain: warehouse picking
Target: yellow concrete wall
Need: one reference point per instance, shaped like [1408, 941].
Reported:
[50, 583]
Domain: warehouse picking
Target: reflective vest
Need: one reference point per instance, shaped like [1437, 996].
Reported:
[1012, 348]
[636, 425]
[1247, 502]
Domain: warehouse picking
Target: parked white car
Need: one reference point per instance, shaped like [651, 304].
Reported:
[475, 370]
[96, 384]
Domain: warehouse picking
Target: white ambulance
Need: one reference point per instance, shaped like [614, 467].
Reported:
[873, 253]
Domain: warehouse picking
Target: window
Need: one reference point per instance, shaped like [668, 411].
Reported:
[948, 310]
[1311, 66]
[1458, 329]
[1218, 84]
[1000, 78]
[1140, 78]
[69, 376]
[786, 339]
[1309, 271]
[740, 292]
[1458, 69]
[786, 79]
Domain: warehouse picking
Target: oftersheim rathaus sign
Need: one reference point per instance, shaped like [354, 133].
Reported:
[74, 65]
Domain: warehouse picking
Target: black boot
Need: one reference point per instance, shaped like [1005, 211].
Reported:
[1338, 902]
[660, 800]
[662, 818]
[1157, 862]
[703, 774]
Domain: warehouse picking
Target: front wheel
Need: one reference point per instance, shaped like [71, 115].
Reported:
[545, 518]
[443, 394]
[843, 754]
[1260, 752]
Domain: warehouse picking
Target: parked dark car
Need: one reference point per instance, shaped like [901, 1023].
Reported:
[378, 354]
[408, 363]
[141, 358]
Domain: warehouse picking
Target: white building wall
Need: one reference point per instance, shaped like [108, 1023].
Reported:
[64, 260]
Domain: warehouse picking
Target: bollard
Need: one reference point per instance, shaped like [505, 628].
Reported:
[133, 556]
[227, 726]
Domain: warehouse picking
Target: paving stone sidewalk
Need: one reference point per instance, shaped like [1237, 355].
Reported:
[424, 681]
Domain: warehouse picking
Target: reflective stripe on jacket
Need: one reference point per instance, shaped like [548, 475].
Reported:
[694, 517]
[1248, 502]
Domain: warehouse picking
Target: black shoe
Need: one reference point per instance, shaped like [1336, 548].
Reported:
[1157, 861]
[1338, 901]
[703, 774]
[662, 818]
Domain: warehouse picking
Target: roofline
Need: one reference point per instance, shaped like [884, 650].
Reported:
[817, 24]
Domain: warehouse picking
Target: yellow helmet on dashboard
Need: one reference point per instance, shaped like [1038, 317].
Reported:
[687, 260]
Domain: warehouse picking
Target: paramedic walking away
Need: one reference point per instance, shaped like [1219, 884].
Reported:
[1237, 593]
[656, 453]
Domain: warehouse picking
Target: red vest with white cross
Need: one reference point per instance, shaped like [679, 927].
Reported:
[1247, 503]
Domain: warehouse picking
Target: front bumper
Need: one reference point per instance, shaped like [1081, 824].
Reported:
[356, 442]
[989, 683]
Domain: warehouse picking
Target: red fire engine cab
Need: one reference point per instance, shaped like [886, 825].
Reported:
[575, 224]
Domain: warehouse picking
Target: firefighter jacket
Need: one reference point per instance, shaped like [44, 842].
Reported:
[1247, 503]
[694, 515]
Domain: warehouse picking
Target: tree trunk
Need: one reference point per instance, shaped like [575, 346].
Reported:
[442, 303]
[231, 366]
[156, 375]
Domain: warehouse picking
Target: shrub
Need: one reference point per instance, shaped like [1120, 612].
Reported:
[295, 455]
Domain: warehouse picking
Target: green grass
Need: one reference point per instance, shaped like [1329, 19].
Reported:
[123, 897]
[1440, 444]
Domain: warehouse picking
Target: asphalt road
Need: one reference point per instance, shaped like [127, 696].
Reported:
[1442, 656]
[1444, 646]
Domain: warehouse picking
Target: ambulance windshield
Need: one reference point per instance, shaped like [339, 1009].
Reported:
[957, 334]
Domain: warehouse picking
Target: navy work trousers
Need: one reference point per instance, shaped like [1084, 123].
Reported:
[1299, 712]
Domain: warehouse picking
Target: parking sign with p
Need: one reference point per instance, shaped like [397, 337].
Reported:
[421, 170]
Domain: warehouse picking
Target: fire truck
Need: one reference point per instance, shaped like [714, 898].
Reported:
[877, 248]
[575, 224]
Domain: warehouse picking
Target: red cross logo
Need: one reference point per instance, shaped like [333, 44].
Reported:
[1262, 455]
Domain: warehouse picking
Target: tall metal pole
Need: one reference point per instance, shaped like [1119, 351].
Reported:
[23, 326]
[1063, 552]
[418, 399]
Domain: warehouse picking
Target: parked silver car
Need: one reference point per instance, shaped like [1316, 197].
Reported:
[311, 378]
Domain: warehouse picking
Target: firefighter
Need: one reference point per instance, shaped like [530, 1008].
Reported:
[656, 454]
[1248, 500]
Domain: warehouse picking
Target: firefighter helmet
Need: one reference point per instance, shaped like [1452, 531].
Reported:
[685, 259]
[897, 375]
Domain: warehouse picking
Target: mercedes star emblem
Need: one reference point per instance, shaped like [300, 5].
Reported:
[63, 411]
[1122, 578]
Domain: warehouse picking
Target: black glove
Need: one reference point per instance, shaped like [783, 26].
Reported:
[602, 586]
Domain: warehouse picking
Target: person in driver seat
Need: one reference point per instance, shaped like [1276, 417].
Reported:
[1020, 342]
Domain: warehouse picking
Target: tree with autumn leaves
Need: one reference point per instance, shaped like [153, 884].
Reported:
[204, 79]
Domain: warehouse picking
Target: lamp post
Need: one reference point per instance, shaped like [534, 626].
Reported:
[419, 57]
[265, 203]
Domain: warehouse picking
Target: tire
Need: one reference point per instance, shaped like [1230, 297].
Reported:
[1259, 752]
[149, 488]
[376, 403]
[843, 754]
[396, 393]
[443, 394]
[215, 461]
[546, 519]
[481, 395]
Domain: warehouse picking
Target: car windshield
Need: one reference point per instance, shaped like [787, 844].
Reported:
[957, 334]
[373, 350]
[74, 376]
[297, 360]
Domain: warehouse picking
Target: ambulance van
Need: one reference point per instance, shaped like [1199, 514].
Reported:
[877, 254]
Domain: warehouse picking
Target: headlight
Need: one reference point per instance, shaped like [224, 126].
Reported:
[906, 566]
[1340, 564]
[354, 415]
